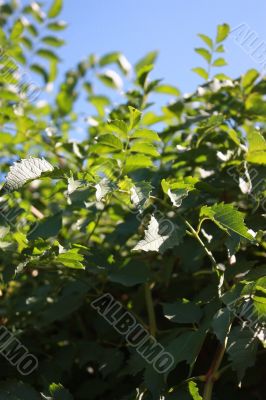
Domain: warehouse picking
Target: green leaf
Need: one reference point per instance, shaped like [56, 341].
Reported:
[249, 78]
[149, 59]
[32, 29]
[134, 117]
[71, 259]
[137, 161]
[186, 346]
[189, 392]
[206, 39]
[201, 72]
[221, 323]
[219, 62]
[142, 76]
[111, 79]
[183, 312]
[208, 125]
[167, 89]
[53, 41]
[227, 218]
[178, 191]
[222, 32]
[118, 126]
[204, 53]
[55, 9]
[256, 147]
[13, 390]
[17, 30]
[57, 25]
[40, 71]
[220, 49]
[111, 140]
[160, 236]
[47, 227]
[144, 148]
[47, 54]
[146, 135]
[242, 349]
[117, 58]
[130, 273]
[100, 102]
[59, 392]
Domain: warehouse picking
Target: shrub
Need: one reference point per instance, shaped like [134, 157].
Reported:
[155, 218]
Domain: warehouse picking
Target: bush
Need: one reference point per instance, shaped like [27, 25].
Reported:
[151, 225]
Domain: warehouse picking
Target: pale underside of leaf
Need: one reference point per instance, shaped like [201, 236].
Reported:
[24, 171]
[156, 241]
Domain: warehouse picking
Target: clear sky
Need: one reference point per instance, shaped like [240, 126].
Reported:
[170, 26]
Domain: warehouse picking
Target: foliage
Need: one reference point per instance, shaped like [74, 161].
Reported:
[162, 207]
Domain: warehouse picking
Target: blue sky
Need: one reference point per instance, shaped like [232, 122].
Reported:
[170, 26]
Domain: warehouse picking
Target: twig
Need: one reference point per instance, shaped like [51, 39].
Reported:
[150, 309]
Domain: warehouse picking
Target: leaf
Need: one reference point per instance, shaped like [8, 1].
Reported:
[134, 117]
[186, 346]
[13, 390]
[144, 148]
[100, 102]
[53, 41]
[111, 79]
[242, 349]
[41, 71]
[167, 89]
[249, 78]
[17, 30]
[256, 147]
[24, 171]
[59, 392]
[71, 259]
[160, 236]
[204, 53]
[130, 274]
[201, 72]
[222, 32]
[47, 227]
[149, 59]
[206, 39]
[117, 126]
[117, 58]
[209, 124]
[219, 62]
[47, 54]
[146, 134]
[102, 188]
[221, 323]
[142, 77]
[219, 49]
[139, 193]
[55, 9]
[111, 140]
[177, 191]
[227, 218]
[57, 25]
[189, 392]
[182, 311]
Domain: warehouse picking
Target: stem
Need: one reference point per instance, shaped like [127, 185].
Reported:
[150, 309]
[96, 223]
[213, 374]
[36, 212]
[196, 236]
